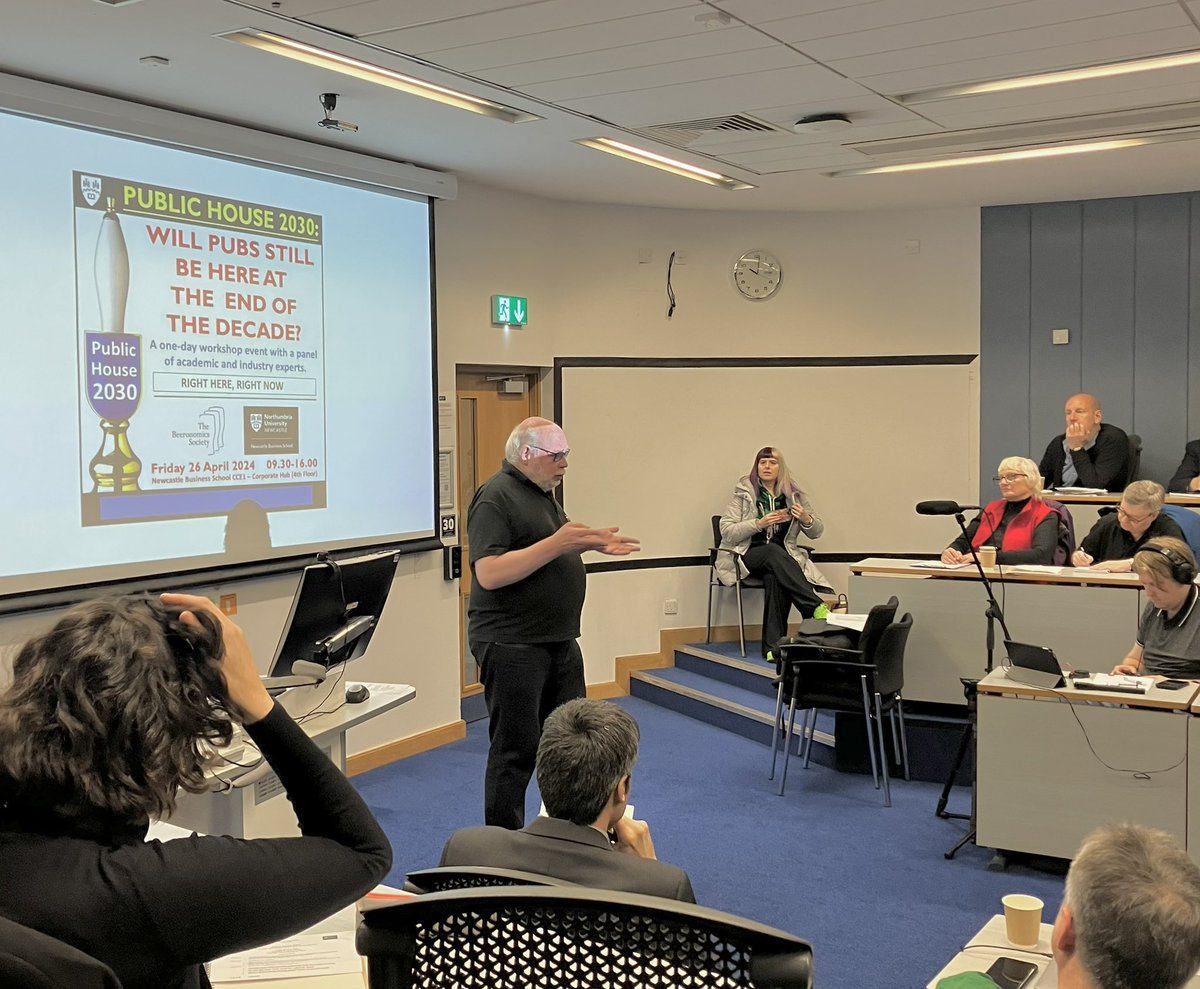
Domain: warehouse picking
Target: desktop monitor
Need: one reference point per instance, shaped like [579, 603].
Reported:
[335, 610]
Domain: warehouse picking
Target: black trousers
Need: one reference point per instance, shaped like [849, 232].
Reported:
[784, 584]
[522, 684]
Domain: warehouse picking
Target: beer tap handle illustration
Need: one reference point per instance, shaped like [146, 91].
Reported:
[115, 468]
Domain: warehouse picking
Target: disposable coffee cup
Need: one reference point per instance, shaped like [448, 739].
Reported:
[987, 555]
[1023, 919]
[1041, 484]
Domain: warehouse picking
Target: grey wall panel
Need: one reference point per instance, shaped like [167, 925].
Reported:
[1056, 262]
[1004, 339]
[1107, 306]
[1161, 291]
[1124, 276]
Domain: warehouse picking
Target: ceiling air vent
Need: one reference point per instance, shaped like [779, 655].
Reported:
[683, 132]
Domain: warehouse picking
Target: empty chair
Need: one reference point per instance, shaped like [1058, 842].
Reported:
[831, 679]
[878, 618]
[739, 583]
[1188, 521]
[567, 937]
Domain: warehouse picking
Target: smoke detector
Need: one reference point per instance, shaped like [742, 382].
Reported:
[822, 123]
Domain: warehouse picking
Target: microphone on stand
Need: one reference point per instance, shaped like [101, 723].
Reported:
[943, 508]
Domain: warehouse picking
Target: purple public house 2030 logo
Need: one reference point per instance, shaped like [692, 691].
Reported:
[113, 374]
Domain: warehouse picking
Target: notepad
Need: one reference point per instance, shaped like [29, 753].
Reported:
[1115, 682]
[939, 565]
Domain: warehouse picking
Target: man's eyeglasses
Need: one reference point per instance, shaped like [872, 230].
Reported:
[1009, 478]
[1135, 519]
[558, 455]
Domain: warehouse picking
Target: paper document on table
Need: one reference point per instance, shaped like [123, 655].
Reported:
[326, 948]
[1081, 491]
[853, 622]
[939, 565]
[1036, 568]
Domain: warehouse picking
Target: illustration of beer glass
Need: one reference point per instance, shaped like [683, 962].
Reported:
[113, 363]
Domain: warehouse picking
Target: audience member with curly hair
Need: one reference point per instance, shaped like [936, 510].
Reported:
[109, 715]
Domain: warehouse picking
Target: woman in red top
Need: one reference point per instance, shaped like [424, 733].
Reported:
[1022, 527]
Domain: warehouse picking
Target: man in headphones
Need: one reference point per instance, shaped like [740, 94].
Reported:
[1168, 639]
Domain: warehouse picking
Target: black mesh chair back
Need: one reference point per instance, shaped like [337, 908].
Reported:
[1135, 458]
[30, 959]
[473, 877]
[573, 938]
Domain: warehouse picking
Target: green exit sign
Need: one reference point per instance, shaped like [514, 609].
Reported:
[509, 310]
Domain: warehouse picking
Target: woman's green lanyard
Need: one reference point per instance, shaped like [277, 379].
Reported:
[767, 503]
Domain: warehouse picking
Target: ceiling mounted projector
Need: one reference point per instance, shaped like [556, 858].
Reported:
[822, 123]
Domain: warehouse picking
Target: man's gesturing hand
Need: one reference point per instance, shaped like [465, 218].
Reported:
[575, 537]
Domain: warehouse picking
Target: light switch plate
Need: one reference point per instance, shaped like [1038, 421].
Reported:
[1060, 336]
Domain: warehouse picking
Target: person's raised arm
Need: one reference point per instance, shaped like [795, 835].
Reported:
[1187, 476]
[493, 572]
[1112, 457]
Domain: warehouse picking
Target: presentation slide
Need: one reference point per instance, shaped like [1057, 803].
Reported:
[211, 361]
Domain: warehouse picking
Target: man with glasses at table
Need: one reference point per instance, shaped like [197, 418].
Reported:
[1117, 536]
[525, 604]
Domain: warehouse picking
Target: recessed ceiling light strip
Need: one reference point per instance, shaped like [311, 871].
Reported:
[1178, 60]
[681, 168]
[323, 58]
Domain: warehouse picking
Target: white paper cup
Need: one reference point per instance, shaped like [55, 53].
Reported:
[1023, 919]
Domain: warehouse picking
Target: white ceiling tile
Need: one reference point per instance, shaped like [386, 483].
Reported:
[873, 72]
[663, 27]
[1015, 26]
[704, 45]
[359, 16]
[865, 19]
[710, 70]
[704, 99]
[547, 15]
[757, 11]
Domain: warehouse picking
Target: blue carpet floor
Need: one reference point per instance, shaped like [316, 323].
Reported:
[867, 885]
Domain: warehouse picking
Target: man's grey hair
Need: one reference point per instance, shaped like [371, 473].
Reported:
[587, 748]
[1146, 494]
[521, 437]
[1135, 898]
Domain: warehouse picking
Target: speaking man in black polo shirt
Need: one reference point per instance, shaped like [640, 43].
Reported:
[526, 599]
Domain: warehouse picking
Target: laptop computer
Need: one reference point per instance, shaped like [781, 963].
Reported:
[1035, 666]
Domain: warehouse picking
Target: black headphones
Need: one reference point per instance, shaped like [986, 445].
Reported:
[1182, 571]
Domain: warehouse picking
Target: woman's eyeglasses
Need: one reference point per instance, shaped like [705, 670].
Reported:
[1009, 478]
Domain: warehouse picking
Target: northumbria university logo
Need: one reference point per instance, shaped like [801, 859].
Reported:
[89, 185]
[256, 421]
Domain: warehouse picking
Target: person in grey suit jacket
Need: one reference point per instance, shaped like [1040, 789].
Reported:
[584, 768]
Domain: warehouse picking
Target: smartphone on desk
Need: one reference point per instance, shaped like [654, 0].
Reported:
[1011, 973]
[1172, 684]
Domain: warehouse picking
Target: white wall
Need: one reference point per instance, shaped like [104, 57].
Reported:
[853, 286]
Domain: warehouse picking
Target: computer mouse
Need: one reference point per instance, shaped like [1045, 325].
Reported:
[356, 693]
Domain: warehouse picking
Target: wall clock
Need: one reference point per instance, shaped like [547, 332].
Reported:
[757, 275]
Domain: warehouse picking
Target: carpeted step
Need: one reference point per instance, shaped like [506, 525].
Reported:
[749, 713]
[750, 673]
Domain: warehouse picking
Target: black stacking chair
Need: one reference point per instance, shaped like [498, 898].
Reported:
[878, 618]
[829, 679]
[739, 583]
[572, 938]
